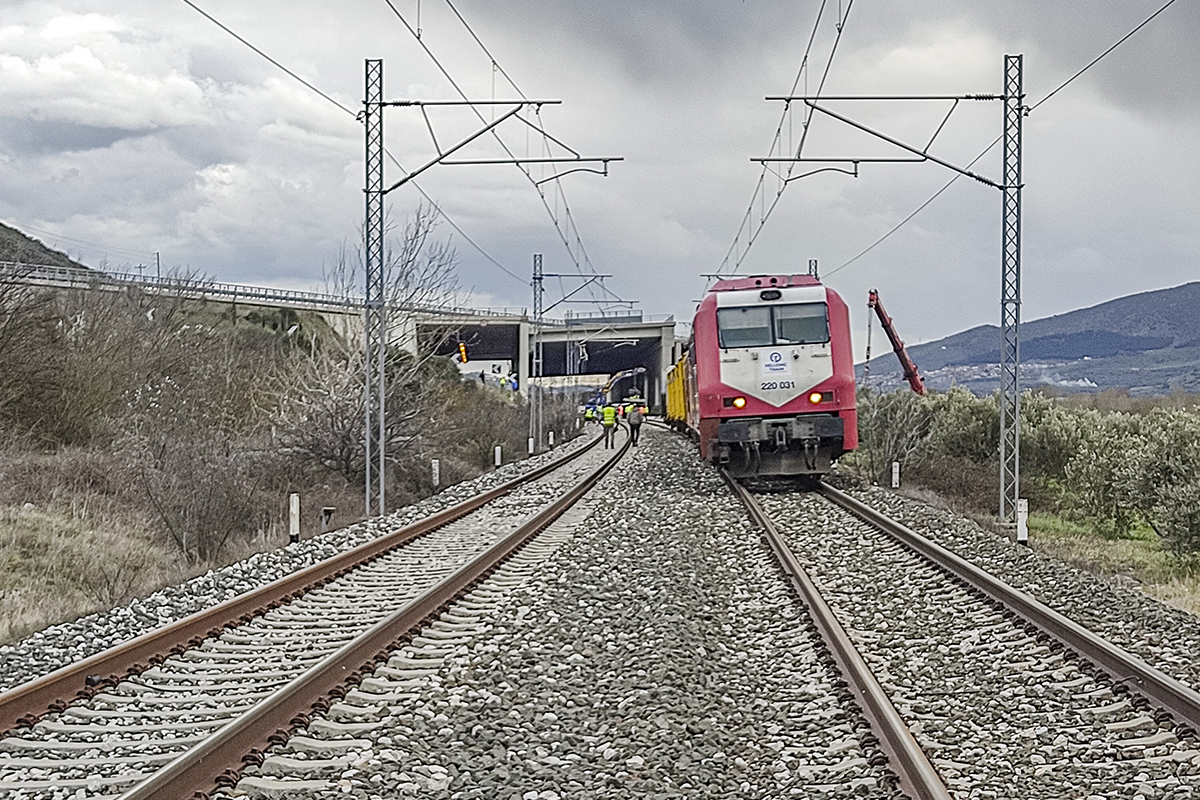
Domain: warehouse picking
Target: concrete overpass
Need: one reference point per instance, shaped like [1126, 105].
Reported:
[582, 344]
[593, 344]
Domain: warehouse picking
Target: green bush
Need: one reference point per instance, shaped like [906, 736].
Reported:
[1120, 470]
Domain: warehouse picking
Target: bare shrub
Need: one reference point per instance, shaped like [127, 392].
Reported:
[31, 356]
[321, 394]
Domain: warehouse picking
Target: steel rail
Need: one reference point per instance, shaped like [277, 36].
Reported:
[917, 776]
[29, 702]
[222, 755]
[1160, 689]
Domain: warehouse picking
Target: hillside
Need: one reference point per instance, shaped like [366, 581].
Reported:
[1147, 343]
[16, 246]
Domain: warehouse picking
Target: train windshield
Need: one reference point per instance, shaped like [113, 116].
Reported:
[745, 327]
[801, 324]
[764, 326]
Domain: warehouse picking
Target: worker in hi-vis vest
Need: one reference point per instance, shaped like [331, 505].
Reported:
[609, 421]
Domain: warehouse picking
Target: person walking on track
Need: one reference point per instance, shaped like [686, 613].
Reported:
[609, 420]
[634, 418]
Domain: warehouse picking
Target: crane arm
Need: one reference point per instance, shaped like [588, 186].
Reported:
[906, 363]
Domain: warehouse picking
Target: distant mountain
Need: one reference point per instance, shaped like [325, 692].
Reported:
[16, 246]
[1148, 343]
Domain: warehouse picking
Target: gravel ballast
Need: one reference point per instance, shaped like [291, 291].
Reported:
[657, 654]
[1000, 713]
[1165, 637]
[59, 645]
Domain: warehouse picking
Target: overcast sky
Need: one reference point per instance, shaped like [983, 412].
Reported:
[134, 126]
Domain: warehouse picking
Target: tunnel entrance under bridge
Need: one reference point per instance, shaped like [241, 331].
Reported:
[576, 346]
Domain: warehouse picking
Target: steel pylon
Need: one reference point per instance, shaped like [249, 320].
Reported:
[1010, 294]
[374, 309]
[534, 391]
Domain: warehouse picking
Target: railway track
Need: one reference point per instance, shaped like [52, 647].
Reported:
[974, 688]
[176, 710]
[656, 656]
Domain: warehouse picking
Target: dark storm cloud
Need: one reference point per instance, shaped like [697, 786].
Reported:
[660, 43]
[25, 138]
[241, 172]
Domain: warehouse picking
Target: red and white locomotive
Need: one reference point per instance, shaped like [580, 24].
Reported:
[767, 384]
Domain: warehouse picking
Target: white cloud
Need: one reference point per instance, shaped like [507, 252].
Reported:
[144, 127]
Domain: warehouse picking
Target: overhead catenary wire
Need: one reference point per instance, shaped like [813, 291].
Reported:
[563, 234]
[125, 253]
[579, 259]
[437, 207]
[760, 190]
[996, 141]
[786, 116]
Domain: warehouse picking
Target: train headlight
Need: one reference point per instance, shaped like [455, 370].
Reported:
[739, 402]
[816, 397]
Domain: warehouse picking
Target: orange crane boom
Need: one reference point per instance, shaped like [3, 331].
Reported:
[910, 369]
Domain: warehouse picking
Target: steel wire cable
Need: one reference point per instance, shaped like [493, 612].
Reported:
[563, 236]
[759, 193]
[123, 252]
[996, 141]
[436, 206]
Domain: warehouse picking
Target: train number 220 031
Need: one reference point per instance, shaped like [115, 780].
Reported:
[777, 385]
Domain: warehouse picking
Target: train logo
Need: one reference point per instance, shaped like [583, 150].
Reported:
[775, 365]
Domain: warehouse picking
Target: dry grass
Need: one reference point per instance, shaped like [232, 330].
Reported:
[1181, 593]
[56, 566]
[85, 552]
[1140, 557]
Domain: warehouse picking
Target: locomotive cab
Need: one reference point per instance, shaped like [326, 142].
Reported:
[774, 381]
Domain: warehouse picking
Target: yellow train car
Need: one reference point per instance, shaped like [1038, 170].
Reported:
[681, 396]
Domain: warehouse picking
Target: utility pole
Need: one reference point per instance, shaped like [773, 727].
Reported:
[535, 389]
[1010, 267]
[374, 307]
[1010, 294]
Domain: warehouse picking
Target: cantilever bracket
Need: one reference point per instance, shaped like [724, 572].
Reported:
[517, 105]
[603, 171]
[923, 153]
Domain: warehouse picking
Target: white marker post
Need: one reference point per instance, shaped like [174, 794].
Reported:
[294, 517]
[530, 445]
[435, 468]
[895, 474]
[1022, 521]
[551, 440]
[498, 457]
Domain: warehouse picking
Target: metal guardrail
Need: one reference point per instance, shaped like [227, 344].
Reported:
[67, 277]
[201, 288]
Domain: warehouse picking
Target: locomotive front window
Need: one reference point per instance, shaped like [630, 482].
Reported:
[801, 324]
[745, 327]
[765, 326]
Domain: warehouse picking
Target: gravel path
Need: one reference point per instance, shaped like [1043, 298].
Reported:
[1164, 636]
[657, 653]
[1000, 714]
[68, 642]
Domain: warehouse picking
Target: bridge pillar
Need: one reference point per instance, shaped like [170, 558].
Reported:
[666, 359]
[403, 333]
[524, 333]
